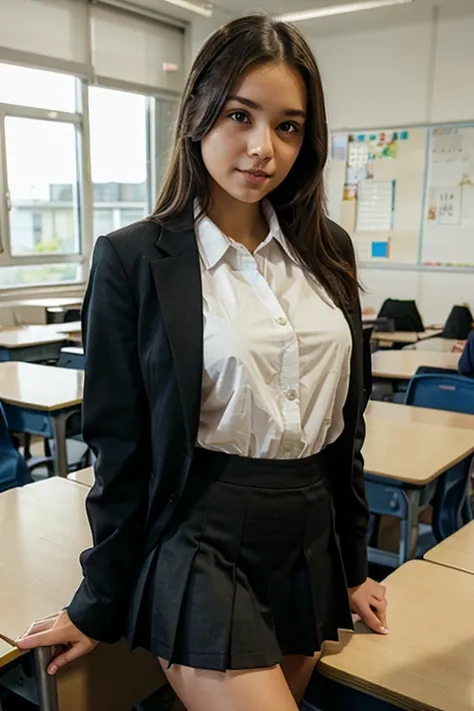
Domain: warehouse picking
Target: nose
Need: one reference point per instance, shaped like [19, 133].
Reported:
[260, 144]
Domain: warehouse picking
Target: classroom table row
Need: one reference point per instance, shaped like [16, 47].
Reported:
[424, 664]
[38, 343]
[406, 449]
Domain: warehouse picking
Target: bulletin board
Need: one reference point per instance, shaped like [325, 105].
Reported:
[375, 190]
[447, 237]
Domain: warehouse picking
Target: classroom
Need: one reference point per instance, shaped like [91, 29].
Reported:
[143, 410]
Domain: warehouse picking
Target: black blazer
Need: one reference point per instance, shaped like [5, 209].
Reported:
[143, 337]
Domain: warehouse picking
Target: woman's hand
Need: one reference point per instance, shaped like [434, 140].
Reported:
[370, 603]
[57, 631]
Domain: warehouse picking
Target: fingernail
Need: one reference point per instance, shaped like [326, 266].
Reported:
[384, 630]
[52, 670]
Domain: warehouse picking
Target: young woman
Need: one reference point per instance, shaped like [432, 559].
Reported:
[224, 396]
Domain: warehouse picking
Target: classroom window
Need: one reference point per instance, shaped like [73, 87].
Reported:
[38, 275]
[42, 174]
[36, 88]
[119, 158]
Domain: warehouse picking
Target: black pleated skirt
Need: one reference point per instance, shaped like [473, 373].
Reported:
[249, 569]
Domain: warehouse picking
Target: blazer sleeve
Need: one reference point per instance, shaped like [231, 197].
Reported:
[116, 428]
[352, 511]
[466, 361]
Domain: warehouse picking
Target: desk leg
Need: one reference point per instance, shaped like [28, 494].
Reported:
[409, 526]
[46, 684]
[59, 429]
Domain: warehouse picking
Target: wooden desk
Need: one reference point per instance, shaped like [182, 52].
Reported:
[439, 345]
[411, 451]
[43, 529]
[415, 415]
[406, 337]
[7, 653]
[426, 662]
[84, 477]
[30, 343]
[38, 399]
[53, 302]
[457, 551]
[72, 357]
[402, 365]
[405, 451]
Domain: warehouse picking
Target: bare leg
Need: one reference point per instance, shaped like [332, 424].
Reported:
[298, 670]
[246, 690]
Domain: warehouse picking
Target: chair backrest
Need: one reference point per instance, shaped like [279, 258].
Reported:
[404, 314]
[442, 392]
[459, 323]
[13, 468]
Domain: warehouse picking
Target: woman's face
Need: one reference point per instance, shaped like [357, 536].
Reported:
[254, 143]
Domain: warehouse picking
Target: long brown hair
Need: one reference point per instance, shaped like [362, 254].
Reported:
[300, 200]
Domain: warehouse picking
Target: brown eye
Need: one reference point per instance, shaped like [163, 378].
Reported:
[289, 127]
[239, 116]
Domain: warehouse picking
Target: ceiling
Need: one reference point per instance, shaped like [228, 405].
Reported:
[227, 9]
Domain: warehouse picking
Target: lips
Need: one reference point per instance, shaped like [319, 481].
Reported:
[256, 173]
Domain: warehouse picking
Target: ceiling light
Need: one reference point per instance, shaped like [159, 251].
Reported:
[204, 9]
[338, 9]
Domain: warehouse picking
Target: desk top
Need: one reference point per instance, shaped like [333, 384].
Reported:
[413, 415]
[405, 336]
[43, 529]
[439, 345]
[7, 653]
[84, 476]
[457, 551]
[402, 365]
[426, 662]
[46, 303]
[69, 327]
[40, 387]
[25, 336]
[411, 450]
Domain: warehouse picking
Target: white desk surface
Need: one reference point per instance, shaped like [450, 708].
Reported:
[402, 365]
[40, 387]
[457, 551]
[411, 449]
[43, 529]
[426, 662]
[24, 336]
[84, 477]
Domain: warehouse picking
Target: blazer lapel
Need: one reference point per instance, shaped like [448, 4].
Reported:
[177, 280]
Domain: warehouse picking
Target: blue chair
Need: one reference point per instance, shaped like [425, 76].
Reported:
[13, 468]
[454, 393]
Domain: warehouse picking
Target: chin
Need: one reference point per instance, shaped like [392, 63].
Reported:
[249, 195]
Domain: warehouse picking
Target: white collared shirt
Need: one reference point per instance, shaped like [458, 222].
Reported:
[276, 350]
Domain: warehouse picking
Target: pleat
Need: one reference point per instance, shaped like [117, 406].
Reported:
[330, 604]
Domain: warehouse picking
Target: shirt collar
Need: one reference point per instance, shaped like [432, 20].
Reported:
[213, 244]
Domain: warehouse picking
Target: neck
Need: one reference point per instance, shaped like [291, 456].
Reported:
[243, 222]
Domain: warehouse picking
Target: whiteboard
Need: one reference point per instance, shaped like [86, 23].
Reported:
[427, 172]
[448, 218]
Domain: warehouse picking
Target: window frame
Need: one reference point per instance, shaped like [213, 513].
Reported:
[80, 119]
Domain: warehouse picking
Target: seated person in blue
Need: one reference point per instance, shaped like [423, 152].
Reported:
[466, 361]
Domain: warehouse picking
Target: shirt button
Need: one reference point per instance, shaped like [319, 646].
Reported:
[291, 394]
[282, 321]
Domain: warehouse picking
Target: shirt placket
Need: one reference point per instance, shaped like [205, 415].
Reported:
[288, 394]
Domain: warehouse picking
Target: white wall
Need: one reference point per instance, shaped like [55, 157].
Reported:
[407, 73]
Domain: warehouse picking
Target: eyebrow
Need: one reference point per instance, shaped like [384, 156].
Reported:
[252, 105]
